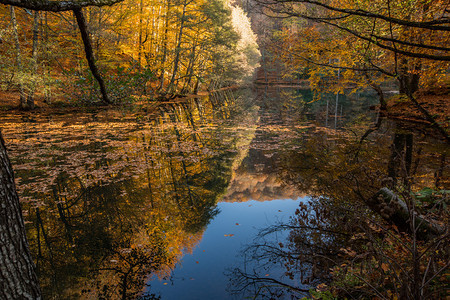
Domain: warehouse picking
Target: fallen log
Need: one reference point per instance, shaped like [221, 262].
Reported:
[394, 210]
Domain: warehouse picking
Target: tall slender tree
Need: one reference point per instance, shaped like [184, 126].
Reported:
[76, 8]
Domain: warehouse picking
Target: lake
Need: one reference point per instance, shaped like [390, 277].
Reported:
[206, 198]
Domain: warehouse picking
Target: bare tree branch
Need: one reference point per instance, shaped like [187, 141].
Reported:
[438, 24]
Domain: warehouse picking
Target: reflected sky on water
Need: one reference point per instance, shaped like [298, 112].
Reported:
[202, 274]
[113, 197]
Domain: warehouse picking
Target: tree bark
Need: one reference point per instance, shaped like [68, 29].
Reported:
[18, 278]
[90, 54]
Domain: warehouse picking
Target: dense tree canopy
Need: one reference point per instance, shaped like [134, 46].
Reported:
[406, 40]
[134, 49]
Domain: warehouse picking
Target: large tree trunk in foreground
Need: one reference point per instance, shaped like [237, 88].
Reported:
[18, 279]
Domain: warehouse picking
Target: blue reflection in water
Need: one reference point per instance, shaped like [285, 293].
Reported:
[201, 275]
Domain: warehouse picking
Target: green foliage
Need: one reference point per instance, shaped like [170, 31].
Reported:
[428, 198]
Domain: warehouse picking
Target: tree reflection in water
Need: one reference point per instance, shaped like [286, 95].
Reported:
[110, 200]
[341, 243]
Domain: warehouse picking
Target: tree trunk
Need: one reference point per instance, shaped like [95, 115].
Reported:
[165, 42]
[46, 58]
[90, 54]
[18, 279]
[401, 158]
[30, 98]
[23, 100]
[395, 210]
[171, 88]
[377, 88]
[408, 78]
[409, 83]
[190, 69]
[141, 9]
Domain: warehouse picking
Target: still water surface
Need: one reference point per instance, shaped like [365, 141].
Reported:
[122, 204]
[203, 274]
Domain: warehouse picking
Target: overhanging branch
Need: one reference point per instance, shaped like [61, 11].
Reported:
[57, 6]
[438, 24]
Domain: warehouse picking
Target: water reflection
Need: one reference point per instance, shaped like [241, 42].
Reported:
[111, 199]
[114, 200]
[346, 237]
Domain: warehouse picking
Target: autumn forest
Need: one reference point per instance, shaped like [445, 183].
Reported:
[224, 149]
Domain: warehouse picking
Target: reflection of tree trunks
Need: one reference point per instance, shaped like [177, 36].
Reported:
[61, 213]
[401, 157]
[366, 134]
[430, 118]
[408, 155]
[18, 278]
[149, 182]
[183, 163]
[190, 117]
[377, 88]
[174, 182]
[193, 203]
[370, 130]
[438, 174]
[62, 217]
[124, 285]
[175, 187]
[44, 234]
[38, 238]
